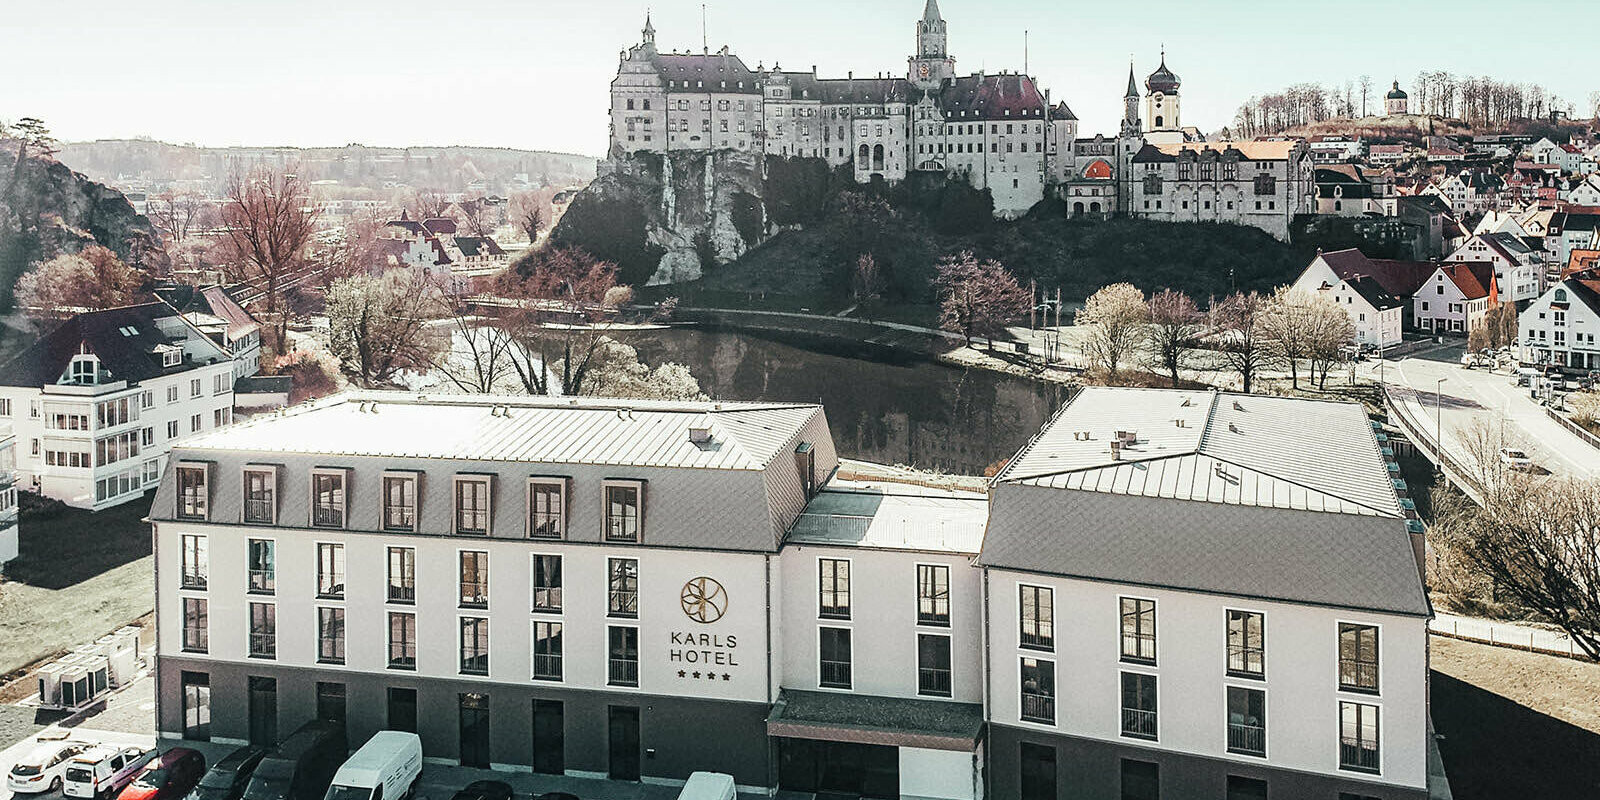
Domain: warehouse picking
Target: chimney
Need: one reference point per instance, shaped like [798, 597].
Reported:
[700, 430]
[1116, 450]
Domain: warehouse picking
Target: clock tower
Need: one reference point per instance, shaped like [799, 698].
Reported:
[932, 65]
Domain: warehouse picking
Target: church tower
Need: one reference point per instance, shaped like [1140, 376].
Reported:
[1161, 104]
[1130, 106]
[932, 65]
[649, 34]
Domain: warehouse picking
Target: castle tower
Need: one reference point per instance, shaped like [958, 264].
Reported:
[1130, 106]
[1161, 103]
[932, 65]
[1397, 103]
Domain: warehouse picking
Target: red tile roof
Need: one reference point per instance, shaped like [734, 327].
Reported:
[1475, 279]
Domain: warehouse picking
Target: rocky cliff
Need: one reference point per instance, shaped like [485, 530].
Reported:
[46, 209]
[668, 219]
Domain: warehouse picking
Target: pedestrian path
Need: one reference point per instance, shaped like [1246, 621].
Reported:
[1523, 636]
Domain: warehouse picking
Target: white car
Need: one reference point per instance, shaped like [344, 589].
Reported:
[104, 770]
[1516, 459]
[41, 769]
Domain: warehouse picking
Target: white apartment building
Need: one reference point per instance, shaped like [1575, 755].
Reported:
[97, 403]
[8, 494]
[1455, 298]
[1519, 270]
[1352, 281]
[1180, 604]
[638, 590]
[1560, 327]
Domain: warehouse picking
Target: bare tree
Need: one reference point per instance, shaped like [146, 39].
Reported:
[379, 326]
[528, 212]
[269, 221]
[1114, 318]
[1175, 328]
[1286, 324]
[977, 298]
[175, 214]
[866, 280]
[428, 204]
[1239, 323]
[1329, 332]
[1366, 92]
[557, 319]
[474, 216]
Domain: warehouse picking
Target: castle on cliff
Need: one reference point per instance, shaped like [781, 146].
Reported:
[997, 131]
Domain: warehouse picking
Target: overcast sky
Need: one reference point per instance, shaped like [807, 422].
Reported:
[534, 73]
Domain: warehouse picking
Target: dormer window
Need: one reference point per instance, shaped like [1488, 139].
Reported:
[170, 356]
[84, 370]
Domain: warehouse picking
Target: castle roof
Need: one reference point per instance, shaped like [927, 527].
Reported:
[930, 13]
[1061, 112]
[1248, 151]
[1133, 84]
[1163, 80]
[1004, 96]
[724, 71]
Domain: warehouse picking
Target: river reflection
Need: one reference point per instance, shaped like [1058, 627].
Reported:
[883, 405]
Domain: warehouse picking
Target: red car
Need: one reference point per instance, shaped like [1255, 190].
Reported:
[169, 777]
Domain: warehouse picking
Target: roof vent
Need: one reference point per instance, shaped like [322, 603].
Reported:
[1237, 406]
[1116, 451]
[1232, 428]
[700, 431]
[1187, 402]
[1182, 423]
[1128, 438]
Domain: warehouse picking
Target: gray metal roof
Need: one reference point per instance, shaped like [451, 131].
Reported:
[894, 517]
[1268, 497]
[1272, 452]
[559, 430]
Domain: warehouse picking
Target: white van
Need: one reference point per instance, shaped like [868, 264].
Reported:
[104, 770]
[709, 786]
[385, 768]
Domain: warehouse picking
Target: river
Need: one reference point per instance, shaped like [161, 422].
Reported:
[883, 405]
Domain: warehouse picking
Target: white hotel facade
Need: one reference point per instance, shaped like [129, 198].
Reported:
[643, 589]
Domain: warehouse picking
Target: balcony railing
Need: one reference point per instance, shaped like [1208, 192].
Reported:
[1038, 708]
[623, 672]
[1361, 676]
[1359, 756]
[263, 645]
[1139, 723]
[548, 668]
[835, 674]
[1250, 740]
[624, 603]
[933, 682]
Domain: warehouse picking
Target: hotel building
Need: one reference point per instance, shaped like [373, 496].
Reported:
[638, 590]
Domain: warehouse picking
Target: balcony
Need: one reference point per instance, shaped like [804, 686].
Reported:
[548, 668]
[1358, 676]
[1138, 723]
[1039, 708]
[1246, 739]
[1358, 756]
[623, 672]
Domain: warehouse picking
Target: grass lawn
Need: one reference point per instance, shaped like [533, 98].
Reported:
[79, 575]
[1516, 724]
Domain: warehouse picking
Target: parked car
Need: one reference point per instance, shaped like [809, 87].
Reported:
[301, 766]
[1514, 458]
[227, 778]
[170, 776]
[103, 770]
[491, 790]
[41, 769]
[385, 768]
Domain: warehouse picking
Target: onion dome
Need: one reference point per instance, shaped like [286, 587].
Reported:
[1397, 93]
[1163, 80]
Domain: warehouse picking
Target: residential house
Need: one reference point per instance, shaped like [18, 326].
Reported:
[97, 403]
[215, 312]
[8, 495]
[1334, 149]
[1455, 298]
[1518, 267]
[1351, 190]
[1349, 279]
[1585, 191]
[1263, 184]
[1560, 327]
[1386, 154]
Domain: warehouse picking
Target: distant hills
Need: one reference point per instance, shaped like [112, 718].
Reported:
[354, 166]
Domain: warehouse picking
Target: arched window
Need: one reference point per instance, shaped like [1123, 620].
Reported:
[1094, 207]
[864, 158]
[1077, 208]
[1159, 121]
[877, 156]
[1561, 295]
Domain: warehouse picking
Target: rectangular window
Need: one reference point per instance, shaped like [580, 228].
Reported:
[196, 706]
[263, 630]
[402, 640]
[623, 511]
[1246, 644]
[402, 712]
[1358, 737]
[400, 503]
[1138, 705]
[331, 702]
[194, 387]
[172, 394]
[1242, 788]
[172, 429]
[623, 587]
[474, 579]
[195, 423]
[833, 588]
[1141, 780]
[196, 625]
[263, 564]
[260, 496]
[1138, 630]
[1247, 721]
[330, 636]
[193, 498]
[474, 646]
[1037, 679]
[1037, 614]
[327, 498]
[547, 651]
[547, 583]
[933, 665]
[402, 575]
[834, 658]
[622, 656]
[196, 561]
[933, 595]
[1358, 657]
[546, 508]
[330, 570]
[472, 506]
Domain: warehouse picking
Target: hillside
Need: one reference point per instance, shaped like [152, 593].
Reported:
[355, 166]
[47, 209]
[1414, 127]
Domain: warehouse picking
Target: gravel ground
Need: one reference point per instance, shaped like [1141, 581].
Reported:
[1515, 724]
